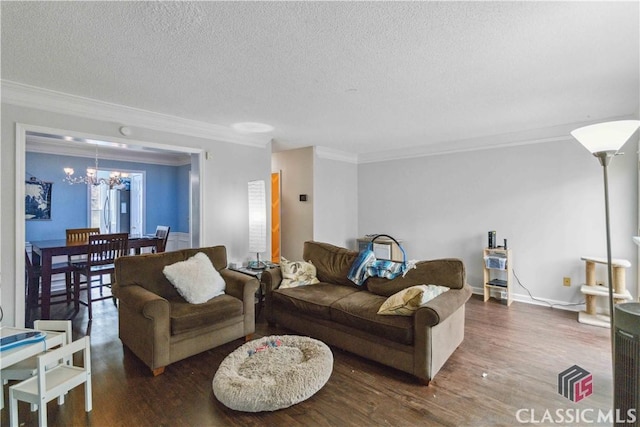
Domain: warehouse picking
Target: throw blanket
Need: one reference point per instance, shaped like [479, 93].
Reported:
[366, 265]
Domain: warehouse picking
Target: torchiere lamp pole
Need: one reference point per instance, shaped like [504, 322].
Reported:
[604, 140]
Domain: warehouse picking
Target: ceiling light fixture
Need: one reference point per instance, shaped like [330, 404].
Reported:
[115, 179]
[252, 127]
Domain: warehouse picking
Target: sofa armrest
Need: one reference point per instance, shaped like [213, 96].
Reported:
[271, 279]
[441, 307]
[144, 325]
[142, 301]
[243, 287]
[239, 285]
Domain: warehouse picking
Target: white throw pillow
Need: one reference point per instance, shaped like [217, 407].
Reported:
[408, 300]
[297, 273]
[196, 279]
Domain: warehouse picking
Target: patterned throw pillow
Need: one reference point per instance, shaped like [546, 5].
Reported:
[408, 300]
[297, 273]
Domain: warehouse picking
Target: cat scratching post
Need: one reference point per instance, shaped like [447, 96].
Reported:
[593, 291]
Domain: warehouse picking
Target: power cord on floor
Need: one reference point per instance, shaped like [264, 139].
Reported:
[541, 300]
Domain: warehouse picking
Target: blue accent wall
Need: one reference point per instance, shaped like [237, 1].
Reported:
[166, 192]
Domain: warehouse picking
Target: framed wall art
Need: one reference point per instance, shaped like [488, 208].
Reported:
[37, 200]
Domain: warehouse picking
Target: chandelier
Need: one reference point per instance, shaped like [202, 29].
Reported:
[114, 180]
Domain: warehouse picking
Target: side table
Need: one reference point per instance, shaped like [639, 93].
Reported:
[257, 274]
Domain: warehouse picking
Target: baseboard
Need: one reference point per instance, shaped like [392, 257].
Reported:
[543, 302]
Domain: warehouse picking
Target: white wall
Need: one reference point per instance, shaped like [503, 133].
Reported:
[224, 183]
[546, 199]
[336, 202]
[296, 221]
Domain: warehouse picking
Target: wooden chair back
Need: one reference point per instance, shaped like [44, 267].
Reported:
[105, 248]
[80, 236]
[162, 233]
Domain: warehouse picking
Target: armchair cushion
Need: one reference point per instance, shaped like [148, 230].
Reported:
[186, 316]
[195, 279]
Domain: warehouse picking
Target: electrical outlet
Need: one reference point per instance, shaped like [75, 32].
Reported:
[566, 281]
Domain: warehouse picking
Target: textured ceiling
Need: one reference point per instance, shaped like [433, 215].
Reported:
[359, 77]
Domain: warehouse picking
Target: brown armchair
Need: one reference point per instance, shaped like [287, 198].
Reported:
[160, 327]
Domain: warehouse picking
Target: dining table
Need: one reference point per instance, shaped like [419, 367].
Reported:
[43, 252]
[21, 352]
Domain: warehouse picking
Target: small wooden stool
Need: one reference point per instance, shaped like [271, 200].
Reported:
[591, 290]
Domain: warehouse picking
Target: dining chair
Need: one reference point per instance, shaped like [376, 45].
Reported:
[78, 236]
[162, 233]
[103, 249]
[29, 367]
[50, 383]
[33, 273]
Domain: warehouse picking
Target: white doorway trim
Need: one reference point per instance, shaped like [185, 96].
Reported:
[195, 208]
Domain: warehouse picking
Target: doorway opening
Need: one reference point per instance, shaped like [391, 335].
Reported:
[79, 144]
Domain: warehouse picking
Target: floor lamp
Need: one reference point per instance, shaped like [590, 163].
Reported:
[604, 140]
[257, 222]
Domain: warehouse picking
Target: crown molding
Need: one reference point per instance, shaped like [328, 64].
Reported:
[447, 148]
[58, 102]
[333, 154]
[560, 133]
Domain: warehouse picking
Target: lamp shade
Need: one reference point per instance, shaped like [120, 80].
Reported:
[257, 217]
[608, 136]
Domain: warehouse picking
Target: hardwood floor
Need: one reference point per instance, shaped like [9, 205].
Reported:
[521, 349]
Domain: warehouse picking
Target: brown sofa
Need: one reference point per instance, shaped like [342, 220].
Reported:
[344, 315]
[160, 327]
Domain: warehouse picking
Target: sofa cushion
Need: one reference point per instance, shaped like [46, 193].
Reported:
[332, 262]
[359, 310]
[185, 316]
[313, 300]
[448, 272]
